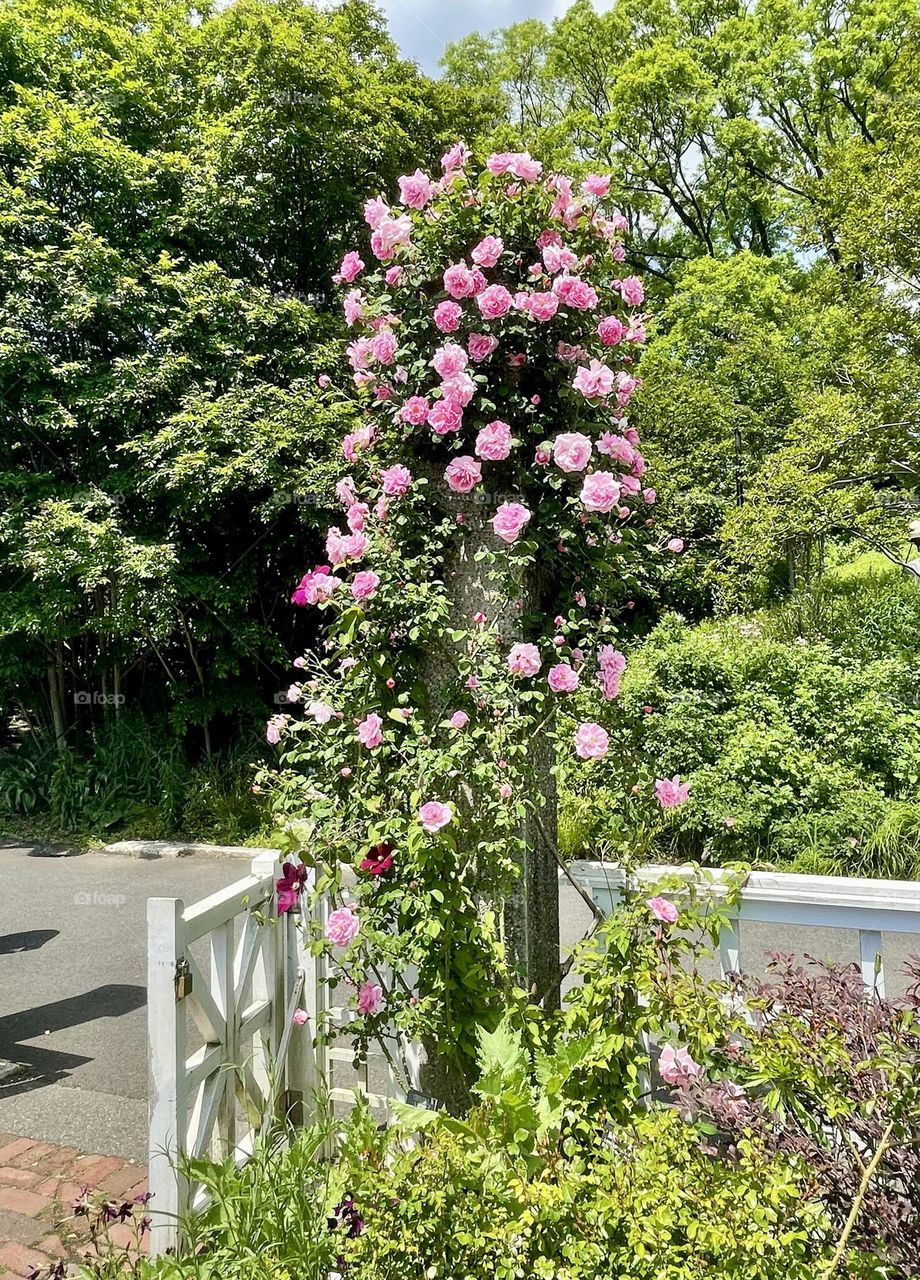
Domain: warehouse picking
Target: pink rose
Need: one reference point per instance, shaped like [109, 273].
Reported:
[494, 302]
[356, 516]
[562, 678]
[342, 927]
[575, 293]
[524, 167]
[631, 291]
[610, 667]
[445, 416]
[556, 257]
[392, 275]
[365, 584]
[487, 252]
[494, 441]
[449, 360]
[600, 491]
[675, 544]
[571, 451]
[481, 346]
[433, 815]
[596, 184]
[370, 998]
[594, 381]
[459, 281]
[346, 492]
[505, 791]
[321, 712]
[447, 316]
[415, 190]
[353, 306]
[375, 211]
[396, 480]
[610, 331]
[649, 497]
[274, 727]
[671, 792]
[463, 474]
[300, 1017]
[509, 520]
[458, 720]
[499, 162]
[370, 731]
[383, 345]
[455, 158]
[591, 741]
[460, 388]
[415, 410]
[662, 910]
[524, 660]
[350, 267]
[542, 306]
[677, 1067]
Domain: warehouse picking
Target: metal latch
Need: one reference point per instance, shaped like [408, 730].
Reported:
[183, 978]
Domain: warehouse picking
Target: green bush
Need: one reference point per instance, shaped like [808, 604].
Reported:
[802, 752]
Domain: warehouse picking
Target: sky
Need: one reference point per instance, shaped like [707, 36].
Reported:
[421, 28]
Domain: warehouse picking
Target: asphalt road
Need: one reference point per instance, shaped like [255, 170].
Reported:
[72, 984]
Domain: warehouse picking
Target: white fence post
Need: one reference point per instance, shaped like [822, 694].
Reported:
[168, 1096]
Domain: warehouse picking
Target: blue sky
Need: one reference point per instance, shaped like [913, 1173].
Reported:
[421, 28]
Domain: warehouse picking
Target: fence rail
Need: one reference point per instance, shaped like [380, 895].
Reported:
[871, 907]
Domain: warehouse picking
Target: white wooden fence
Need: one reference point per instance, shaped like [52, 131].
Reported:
[241, 972]
[871, 907]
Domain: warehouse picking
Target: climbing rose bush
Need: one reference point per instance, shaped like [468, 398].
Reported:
[493, 515]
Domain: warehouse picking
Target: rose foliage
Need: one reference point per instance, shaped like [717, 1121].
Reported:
[493, 520]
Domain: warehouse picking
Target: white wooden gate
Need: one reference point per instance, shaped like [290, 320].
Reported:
[241, 972]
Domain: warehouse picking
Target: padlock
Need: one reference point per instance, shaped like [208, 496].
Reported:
[183, 978]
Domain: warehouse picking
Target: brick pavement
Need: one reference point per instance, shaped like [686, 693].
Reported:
[38, 1184]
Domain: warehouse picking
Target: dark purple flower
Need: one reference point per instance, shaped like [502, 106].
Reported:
[379, 859]
[290, 886]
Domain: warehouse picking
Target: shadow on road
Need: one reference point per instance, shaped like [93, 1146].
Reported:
[30, 940]
[47, 1066]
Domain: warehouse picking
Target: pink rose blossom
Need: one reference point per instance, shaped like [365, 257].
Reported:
[631, 291]
[594, 381]
[396, 480]
[341, 547]
[600, 491]
[649, 497]
[610, 664]
[458, 720]
[320, 711]
[342, 927]
[494, 441]
[509, 520]
[556, 257]
[383, 345]
[415, 410]
[375, 211]
[566, 351]
[370, 730]
[433, 815]
[562, 678]
[610, 331]
[447, 316]
[351, 267]
[487, 252]
[370, 999]
[459, 281]
[505, 791]
[662, 910]
[542, 306]
[494, 302]
[675, 544]
[274, 728]
[345, 491]
[596, 184]
[392, 275]
[365, 584]
[481, 346]
[449, 360]
[445, 416]
[356, 516]
[463, 474]
[415, 190]
[571, 451]
[524, 167]
[455, 158]
[524, 660]
[460, 388]
[353, 306]
[499, 162]
[575, 293]
[300, 1017]
[591, 741]
[677, 1067]
[479, 617]
[671, 792]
